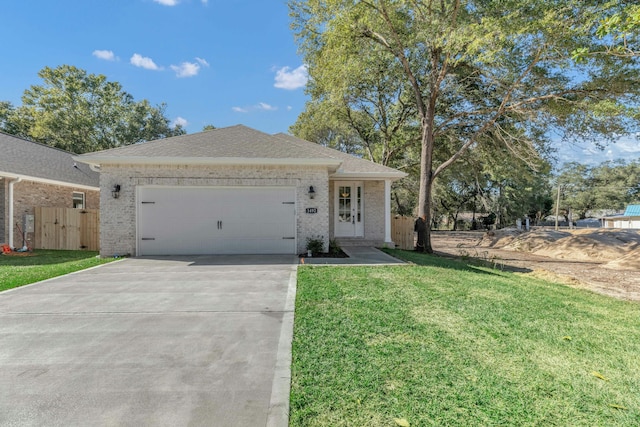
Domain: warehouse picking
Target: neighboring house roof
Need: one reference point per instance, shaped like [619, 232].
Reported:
[32, 161]
[632, 210]
[239, 145]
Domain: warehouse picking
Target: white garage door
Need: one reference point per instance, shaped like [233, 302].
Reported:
[205, 220]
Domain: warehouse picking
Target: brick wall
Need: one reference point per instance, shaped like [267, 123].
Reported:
[27, 195]
[118, 216]
[374, 210]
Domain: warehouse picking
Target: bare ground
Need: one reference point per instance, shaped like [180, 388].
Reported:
[603, 260]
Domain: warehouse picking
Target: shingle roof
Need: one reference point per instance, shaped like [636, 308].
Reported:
[231, 142]
[632, 210]
[240, 143]
[32, 160]
[350, 163]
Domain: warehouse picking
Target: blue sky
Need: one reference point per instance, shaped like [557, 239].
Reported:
[211, 61]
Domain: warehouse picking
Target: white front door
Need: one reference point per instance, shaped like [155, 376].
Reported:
[349, 209]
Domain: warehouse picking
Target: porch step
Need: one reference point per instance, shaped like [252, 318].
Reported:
[355, 241]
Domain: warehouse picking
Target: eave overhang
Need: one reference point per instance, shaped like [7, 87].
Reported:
[10, 175]
[367, 176]
[98, 161]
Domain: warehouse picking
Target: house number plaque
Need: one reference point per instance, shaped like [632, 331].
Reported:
[311, 210]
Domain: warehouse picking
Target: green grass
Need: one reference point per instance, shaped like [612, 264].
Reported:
[44, 264]
[444, 343]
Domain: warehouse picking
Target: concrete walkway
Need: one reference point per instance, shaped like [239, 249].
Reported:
[358, 255]
[165, 341]
[199, 341]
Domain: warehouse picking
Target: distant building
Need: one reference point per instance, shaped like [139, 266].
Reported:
[588, 223]
[629, 219]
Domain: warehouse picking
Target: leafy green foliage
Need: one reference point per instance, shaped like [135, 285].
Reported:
[315, 244]
[81, 112]
[610, 185]
[619, 27]
[476, 77]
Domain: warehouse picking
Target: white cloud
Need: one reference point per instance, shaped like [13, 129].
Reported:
[186, 69]
[189, 69]
[291, 79]
[289, 108]
[627, 147]
[107, 55]
[260, 106]
[205, 2]
[179, 121]
[266, 107]
[167, 2]
[144, 62]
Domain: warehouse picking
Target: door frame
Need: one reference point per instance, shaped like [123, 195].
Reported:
[356, 203]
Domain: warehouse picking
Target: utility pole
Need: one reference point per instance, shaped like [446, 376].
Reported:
[558, 206]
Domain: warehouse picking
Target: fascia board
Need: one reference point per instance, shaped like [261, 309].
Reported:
[368, 176]
[144, 160]
[10, 175]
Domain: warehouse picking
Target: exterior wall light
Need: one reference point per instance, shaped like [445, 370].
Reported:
[312, 192]
[115, 191]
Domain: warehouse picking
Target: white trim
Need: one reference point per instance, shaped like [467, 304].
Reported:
[98, 160]
[47, 181]
[11, 226]
[367, 176]
[84, 199]
[357, 228]
[387, 213]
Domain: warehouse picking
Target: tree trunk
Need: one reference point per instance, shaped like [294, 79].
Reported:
[426, 180]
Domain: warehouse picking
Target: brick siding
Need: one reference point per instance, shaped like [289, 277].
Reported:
[27, 195]
[118, 216]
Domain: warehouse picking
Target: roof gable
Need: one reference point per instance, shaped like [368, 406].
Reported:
[231, 142]
[239, 145]
[351, 166]
[38, 162]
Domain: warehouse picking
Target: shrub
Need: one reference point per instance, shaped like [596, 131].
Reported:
[315, 244]
[334, 247]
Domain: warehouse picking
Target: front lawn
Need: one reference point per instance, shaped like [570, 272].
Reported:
[41, 264]
[445, 343]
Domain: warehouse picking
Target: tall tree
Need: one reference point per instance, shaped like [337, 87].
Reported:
[82, 112]
[607, 186]
[618, 23]
[479, 71]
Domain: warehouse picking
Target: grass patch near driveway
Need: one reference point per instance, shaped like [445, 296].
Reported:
[44, 264]
[446, 343]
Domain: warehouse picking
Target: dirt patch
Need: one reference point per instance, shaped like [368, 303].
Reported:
[603, 260]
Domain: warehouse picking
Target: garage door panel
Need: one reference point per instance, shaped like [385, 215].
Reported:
[205, 220]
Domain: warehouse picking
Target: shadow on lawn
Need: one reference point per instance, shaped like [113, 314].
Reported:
[44, 257]
[456, 263]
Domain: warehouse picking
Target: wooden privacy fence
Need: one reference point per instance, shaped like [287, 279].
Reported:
[65, 228]
[402, 232]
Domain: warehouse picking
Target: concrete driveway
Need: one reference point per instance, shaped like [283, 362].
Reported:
[198, 341]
